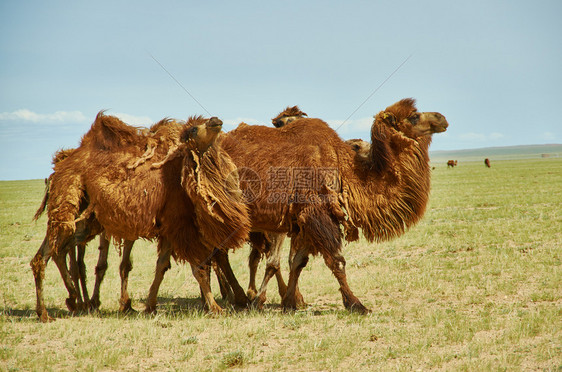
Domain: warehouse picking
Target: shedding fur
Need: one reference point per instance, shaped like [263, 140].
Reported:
[140, 201]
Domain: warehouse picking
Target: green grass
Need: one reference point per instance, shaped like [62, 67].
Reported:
[476, 285]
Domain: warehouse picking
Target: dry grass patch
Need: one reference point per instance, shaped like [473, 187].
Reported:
[476, 285]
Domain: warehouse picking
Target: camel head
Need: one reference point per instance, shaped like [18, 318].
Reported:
[202, 132]
[362, 148]
[288, 115]
[404, 117]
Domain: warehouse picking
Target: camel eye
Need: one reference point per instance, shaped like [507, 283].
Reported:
[414, 119]
[188, 134]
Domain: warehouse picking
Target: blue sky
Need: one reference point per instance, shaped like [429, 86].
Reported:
[491, 67]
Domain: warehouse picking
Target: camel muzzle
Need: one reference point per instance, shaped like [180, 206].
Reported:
[214, 122]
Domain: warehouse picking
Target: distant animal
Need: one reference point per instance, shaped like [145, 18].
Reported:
[487, 162]
[451, 163]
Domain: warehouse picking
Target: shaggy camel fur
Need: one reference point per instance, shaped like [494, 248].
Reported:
[313, 183]
[269, 244]
[167, 132]
[86, 230]
[183, 203]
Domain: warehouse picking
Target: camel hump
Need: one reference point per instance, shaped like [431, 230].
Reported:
[109, 132]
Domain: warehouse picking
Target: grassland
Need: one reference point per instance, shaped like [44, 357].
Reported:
[476, 285]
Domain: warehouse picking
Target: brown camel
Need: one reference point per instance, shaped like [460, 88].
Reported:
[451, 163]
[313, 183]
[87, 230]
[184, 203]
[487, 162]
[166, 131]
[269, 244]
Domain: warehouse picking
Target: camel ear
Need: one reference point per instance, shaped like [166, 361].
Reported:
[388, 118]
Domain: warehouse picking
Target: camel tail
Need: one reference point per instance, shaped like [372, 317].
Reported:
[43, 205]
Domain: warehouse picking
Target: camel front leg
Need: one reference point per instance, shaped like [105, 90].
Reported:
[124, 268]
[162, 265]
[200, 274]
[101, 268]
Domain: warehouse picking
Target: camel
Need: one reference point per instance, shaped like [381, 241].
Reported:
[452, 163]
[191, 204]
[487, 162]
[287, 116]
[269, 244]
[86, 230]
[314, 185]
[168, 131]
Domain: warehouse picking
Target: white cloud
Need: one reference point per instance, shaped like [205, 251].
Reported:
[132, 119]
[68, 117]
[230, 124]
[56, 117]
[549, 136]
[356, 128]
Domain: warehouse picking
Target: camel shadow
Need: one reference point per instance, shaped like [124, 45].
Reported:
[168, 307]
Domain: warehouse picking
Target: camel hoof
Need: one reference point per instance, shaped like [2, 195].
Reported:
[71, 305]
[299, 301]
[45, 317]
[215, 311]
[126, 307]
[150, 310]
[251, 294]
[257, 303]
[94, 304]
[358, 308]
[243, 302]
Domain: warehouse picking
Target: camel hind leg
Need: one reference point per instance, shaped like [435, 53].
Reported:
[336, 263]
[101, 268]
[240, 298]
[200, 272]
[76, 277]
[253, 261]
[81, 252]
[162, 265]
[272, 248]
[297, 264]
[226, 291]
[60, 260]
[38, 264]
